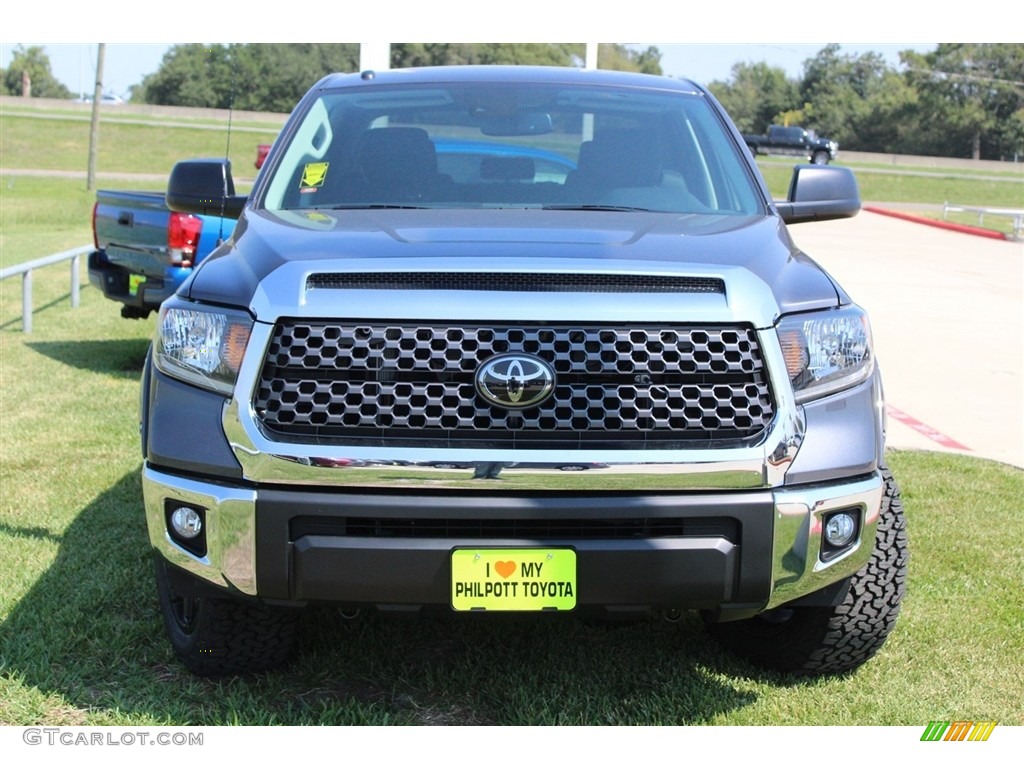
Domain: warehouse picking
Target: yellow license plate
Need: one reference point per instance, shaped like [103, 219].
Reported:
[513, 579]
[134, 281]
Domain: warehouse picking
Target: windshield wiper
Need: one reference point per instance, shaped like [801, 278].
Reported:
[377, 207]
[596, 207]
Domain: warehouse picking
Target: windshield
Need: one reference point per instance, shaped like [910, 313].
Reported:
[488, 145]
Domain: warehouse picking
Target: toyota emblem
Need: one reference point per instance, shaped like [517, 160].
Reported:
[515, 381]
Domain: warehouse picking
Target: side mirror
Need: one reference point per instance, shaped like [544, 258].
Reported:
[204, 187]
[820, 193]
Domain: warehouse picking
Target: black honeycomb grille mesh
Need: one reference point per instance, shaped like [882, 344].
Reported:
[402, 384]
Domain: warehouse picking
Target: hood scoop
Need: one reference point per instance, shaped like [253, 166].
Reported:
[531, 282]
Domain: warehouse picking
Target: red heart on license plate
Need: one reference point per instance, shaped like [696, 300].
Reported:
[505, 568]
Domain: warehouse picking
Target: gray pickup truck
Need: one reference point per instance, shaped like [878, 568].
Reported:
[369, 396]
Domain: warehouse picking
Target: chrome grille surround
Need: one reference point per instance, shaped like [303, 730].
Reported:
[401, 384]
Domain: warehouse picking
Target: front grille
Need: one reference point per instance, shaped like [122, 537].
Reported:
[536, 530]
[403, 384]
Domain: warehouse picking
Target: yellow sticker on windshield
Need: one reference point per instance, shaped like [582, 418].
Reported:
[313, 176]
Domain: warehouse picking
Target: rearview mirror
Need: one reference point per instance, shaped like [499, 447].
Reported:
[518, 124]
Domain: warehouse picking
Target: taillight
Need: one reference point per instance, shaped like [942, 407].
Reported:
[183, 230]
[95, 239]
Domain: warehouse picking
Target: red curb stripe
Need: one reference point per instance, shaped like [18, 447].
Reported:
[929, 432]
[962, 228]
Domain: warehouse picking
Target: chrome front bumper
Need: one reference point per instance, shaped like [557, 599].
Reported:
[795, 565]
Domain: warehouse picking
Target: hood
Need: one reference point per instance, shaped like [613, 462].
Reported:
[266, 264]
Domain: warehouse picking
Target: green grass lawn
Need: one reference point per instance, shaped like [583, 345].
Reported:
[907, 189]
[142, 145]
[917, 186]
[81, 641]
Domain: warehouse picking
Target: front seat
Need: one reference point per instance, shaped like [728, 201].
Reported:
[612, 160]
[396, 165]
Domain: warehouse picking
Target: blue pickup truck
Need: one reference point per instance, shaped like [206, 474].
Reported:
[144, 251]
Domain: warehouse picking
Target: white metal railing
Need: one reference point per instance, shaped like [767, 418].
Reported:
[1015, 213]
[25, 270]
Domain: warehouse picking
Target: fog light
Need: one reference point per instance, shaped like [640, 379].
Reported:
[186, 522]
[840, 529]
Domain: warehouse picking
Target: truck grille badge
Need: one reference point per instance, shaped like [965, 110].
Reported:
[515, 381]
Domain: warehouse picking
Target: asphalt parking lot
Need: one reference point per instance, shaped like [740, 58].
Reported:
[947, 313]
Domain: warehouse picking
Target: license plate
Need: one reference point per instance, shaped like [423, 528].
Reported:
[513, 579]
[134, 281]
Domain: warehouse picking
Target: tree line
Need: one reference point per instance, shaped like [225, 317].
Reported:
[273, 76]
[30, 71]
[960, 100]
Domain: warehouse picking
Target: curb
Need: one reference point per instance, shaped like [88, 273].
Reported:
[962, 228]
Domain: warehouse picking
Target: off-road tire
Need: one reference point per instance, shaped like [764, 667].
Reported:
[834, 640]
[216, 636]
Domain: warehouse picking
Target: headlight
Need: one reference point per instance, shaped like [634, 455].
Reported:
[202, 346]
[826, 352]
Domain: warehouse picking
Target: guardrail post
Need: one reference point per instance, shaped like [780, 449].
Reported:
[26, 301]
[74, 280]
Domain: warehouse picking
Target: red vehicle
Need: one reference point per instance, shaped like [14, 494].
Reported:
[261, 154]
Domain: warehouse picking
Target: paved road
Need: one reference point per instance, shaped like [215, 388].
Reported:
[947, 312]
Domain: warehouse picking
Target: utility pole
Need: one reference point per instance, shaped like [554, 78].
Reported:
[94, 128]
[590, 62]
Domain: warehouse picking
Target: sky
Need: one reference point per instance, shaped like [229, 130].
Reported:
[707, 38]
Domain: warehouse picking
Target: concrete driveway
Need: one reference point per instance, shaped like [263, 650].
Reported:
[947, 313]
